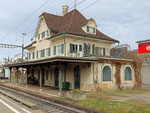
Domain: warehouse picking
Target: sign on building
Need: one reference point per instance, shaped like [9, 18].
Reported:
[144, 47]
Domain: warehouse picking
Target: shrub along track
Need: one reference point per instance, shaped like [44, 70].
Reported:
[47, 104]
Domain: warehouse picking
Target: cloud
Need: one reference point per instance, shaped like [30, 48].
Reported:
[124, 20]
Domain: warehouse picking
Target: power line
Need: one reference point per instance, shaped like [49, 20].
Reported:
[27, 18]
[73, 13]
[60, 14]
[68, 9]
[90, 5]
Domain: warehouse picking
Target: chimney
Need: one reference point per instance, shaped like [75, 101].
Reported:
[65, 9]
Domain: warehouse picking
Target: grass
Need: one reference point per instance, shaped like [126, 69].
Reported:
[137, 91]
[113, 106]
[101, 101]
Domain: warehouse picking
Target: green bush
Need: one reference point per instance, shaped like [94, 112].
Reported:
[76, 91]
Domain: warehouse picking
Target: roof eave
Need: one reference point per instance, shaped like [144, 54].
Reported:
[115, 41]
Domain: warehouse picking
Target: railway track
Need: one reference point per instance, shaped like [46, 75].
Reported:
[44, 105]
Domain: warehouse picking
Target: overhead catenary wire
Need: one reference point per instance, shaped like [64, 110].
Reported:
[71, 17]
[73, 13]
[10, 32]
[58, 15]
[71, 8]
[90, 5]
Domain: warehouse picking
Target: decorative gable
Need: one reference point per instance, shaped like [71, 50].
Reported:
[42, 31]
[90, 27]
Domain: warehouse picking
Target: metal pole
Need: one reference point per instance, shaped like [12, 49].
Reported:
[40, 79]
[10, 74]
[22, 51]
[60, 86]
[64, 43]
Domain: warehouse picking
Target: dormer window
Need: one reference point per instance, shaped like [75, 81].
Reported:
[43, 34]
[39, 36]
[48, 32]
[91, 29]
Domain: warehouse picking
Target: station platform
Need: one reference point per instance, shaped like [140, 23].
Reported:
[46, 90]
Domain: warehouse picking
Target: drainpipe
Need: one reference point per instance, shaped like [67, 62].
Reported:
[60, 86]
[64, 43]
[93, 72]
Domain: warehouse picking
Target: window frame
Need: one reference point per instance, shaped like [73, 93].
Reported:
[107, 65]
[91, 30]
[125, 74]
[37, 54]
[39, 36]
[43, 34]
[42, 56]
[48, 52]
[33, 55]
[60, 48]
[54, 50]
[29, 56]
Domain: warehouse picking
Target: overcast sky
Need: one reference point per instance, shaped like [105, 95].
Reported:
[125, 20]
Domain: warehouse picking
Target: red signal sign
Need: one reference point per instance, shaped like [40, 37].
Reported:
[144, 47]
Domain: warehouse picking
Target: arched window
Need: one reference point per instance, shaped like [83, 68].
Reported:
[128, 75]
[106, 73]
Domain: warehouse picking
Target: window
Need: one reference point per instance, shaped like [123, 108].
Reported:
[48, 32]
[43, 53]
[104, 51]
[88, 29]
[29, 56]
[43, 34]
[47, 75]
[128, 75]
[61, 49]
[91, 30]
[106, 73]
[33, 55]
[80, 47]
[100, 51]
[87, 49]
[48, 52]
[74, 48]
[37, 54]
[39, 36]
[93, 49]
[94, 30]
[54, 50]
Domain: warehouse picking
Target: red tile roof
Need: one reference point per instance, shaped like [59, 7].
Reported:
[71, 23]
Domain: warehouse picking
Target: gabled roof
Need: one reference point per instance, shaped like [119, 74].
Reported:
[29, 45]
[71, 23]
